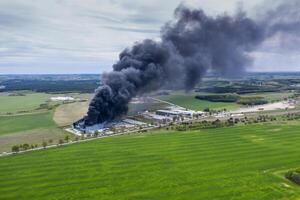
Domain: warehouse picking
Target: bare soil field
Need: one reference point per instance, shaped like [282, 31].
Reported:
[66, 114]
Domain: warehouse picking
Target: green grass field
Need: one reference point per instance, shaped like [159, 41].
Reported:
[189, 101]
[242, 162]
[12, 124]
[35, 126]
[13, 104]
[272, 96]
[30, 102]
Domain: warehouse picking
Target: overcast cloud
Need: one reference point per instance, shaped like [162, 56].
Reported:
[86, 36]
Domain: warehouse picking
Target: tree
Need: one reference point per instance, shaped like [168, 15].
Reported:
[206, 110]
[67, 137]
[60, 141]
[96, 133]
[15, 148]
[44, 144]
[26, 146]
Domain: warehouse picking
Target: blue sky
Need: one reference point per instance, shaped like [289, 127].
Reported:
[86, 36]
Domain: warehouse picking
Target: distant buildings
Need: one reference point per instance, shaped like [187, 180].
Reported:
[176, 112]
[172, 114]
[62, 99]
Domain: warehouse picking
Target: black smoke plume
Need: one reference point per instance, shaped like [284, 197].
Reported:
[190, 45]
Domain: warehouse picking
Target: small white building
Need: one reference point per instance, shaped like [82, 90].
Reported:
[62, 99]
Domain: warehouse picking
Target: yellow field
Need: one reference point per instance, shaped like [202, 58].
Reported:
[66, 114]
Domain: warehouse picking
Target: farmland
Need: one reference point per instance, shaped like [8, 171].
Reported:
[12, 124]
[31, 118]
[241, 162]
[69, 113]
[13, 103]
[189, 101]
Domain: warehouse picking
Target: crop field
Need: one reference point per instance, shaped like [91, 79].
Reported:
[23, 120]
[241, 162]
[29, 102]
[12, 124]
[33, 136]
[189, 101]
[69, 113]
[31, 128]
[273, 96]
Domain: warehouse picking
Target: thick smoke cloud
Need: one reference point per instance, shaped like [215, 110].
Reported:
[190, 45]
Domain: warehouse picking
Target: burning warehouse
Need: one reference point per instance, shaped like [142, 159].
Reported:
[106, 126]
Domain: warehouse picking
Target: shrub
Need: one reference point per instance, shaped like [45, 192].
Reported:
[293, 176]
[219, 97]
[252, 100]
[15, 148]
[44, 144]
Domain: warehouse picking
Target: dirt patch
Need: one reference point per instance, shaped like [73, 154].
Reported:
[66, 114]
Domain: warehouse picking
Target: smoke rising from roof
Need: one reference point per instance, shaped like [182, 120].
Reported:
[190, 45]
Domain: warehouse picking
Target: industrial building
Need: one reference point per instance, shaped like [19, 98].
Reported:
[175, 112]
[107, 126]
[157, 118]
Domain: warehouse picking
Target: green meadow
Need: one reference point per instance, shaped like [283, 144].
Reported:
[241, 162]
[189, 101]
[12, 124]
[29, 102]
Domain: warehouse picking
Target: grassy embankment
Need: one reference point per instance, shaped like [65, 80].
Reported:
[241, 162]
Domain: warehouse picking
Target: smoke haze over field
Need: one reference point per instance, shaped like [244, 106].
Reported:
[190, 45]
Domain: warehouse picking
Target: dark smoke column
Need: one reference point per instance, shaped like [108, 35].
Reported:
[139, 70]
[190, 45]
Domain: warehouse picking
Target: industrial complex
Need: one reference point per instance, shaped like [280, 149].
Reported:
[141, 120]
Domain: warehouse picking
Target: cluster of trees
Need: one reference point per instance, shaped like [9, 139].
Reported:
[245, 87]
[206, 124]
[51, 86]
[292, 116]
[244, 100]
[252, 100]
[223, 123]
[238, 90]
[219, 97]
[24, 147]
[259, 119]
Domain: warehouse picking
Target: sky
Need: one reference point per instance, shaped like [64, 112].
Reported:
[86, 36]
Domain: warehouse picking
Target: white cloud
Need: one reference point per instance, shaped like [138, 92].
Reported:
[67, 36]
